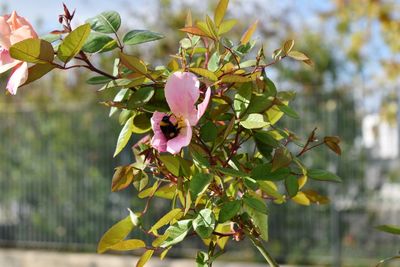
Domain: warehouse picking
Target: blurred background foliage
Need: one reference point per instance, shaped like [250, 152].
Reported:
[56, 141]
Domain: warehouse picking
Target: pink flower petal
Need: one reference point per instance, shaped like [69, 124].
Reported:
[183, 139]
[159, 141]
[6, 62]
[201, 108]
[5, 33]
[182, 92]
[19, 75]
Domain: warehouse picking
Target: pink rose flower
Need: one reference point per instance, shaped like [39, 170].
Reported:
[14, 29]
[174, 131]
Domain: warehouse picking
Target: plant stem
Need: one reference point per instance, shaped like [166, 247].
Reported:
[262, 250]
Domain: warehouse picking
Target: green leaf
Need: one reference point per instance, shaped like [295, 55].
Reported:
[177, 232]
[98, 80]
[292, 185]
[391, 229]
[298, 55]
[287, 46]
[264, 172]
[282, 158]
[73, 43]
[115, 234]
[229, 210]
[259, 104]
[226, 26]
[166, 219]
[208, 132]
[220, 11]
[141, 36]
[38, 71]
[124, 136]
[130, 244]
[199, 183]
[133, 63]
[289, 111]
[213, 63]
[254, 121]
[204, 223]
[323, 175]
[249, 33]
[234, 78]
[32, 51]
[255, 204]
[140, 97]
[96, 42]
[202, 259]
[141, 123]
[266, 139]
[260, 219]
[145, 258]
[172, 163]
[122, 178]
[205, 73]
[106, 22]
[242, 99]
[232, 172]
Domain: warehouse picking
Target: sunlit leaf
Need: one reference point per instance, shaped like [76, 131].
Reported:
[145, 258]
[96, 42]
[115, 234]
[141, 36]
[204, 223]
[254, 121]
[249, 33]
[172, 163]
[32, 51]
[106, 22]
[205, 73]
[124, 136]
[391, 229]
[127, 245]
[177, 232]
[166, 219]
[220, 11]
[73, 43]
[226, 26]
[133, 63]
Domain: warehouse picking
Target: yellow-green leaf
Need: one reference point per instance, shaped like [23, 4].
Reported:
[301, 198]
[298, 55]
[122, 178]
[38, 71]
[145, 258]
[133, 63]
[73, 43]
[124, 136]
[33, 51]
[287, 46]
[205, 73]
[220, 11]
[115, 234]
[231, 78]
[226, 26]
[250, 31]
[130, 244]
[167, 218]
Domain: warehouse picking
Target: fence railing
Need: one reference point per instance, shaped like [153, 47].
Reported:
[56, 169]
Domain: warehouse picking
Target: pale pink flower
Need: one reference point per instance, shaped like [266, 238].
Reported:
[14, 29]
[173, 131]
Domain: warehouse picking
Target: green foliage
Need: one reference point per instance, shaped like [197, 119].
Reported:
[141, 36]
[32, 51]
[240, 158]
[106, 22]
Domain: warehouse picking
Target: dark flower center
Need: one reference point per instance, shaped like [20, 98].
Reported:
[169, 129]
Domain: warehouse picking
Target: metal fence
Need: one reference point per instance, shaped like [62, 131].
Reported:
[56, 169]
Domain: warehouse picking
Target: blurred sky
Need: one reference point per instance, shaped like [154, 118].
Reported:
[43, 14]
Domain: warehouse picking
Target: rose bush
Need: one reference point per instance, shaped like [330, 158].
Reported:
[211, 142]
